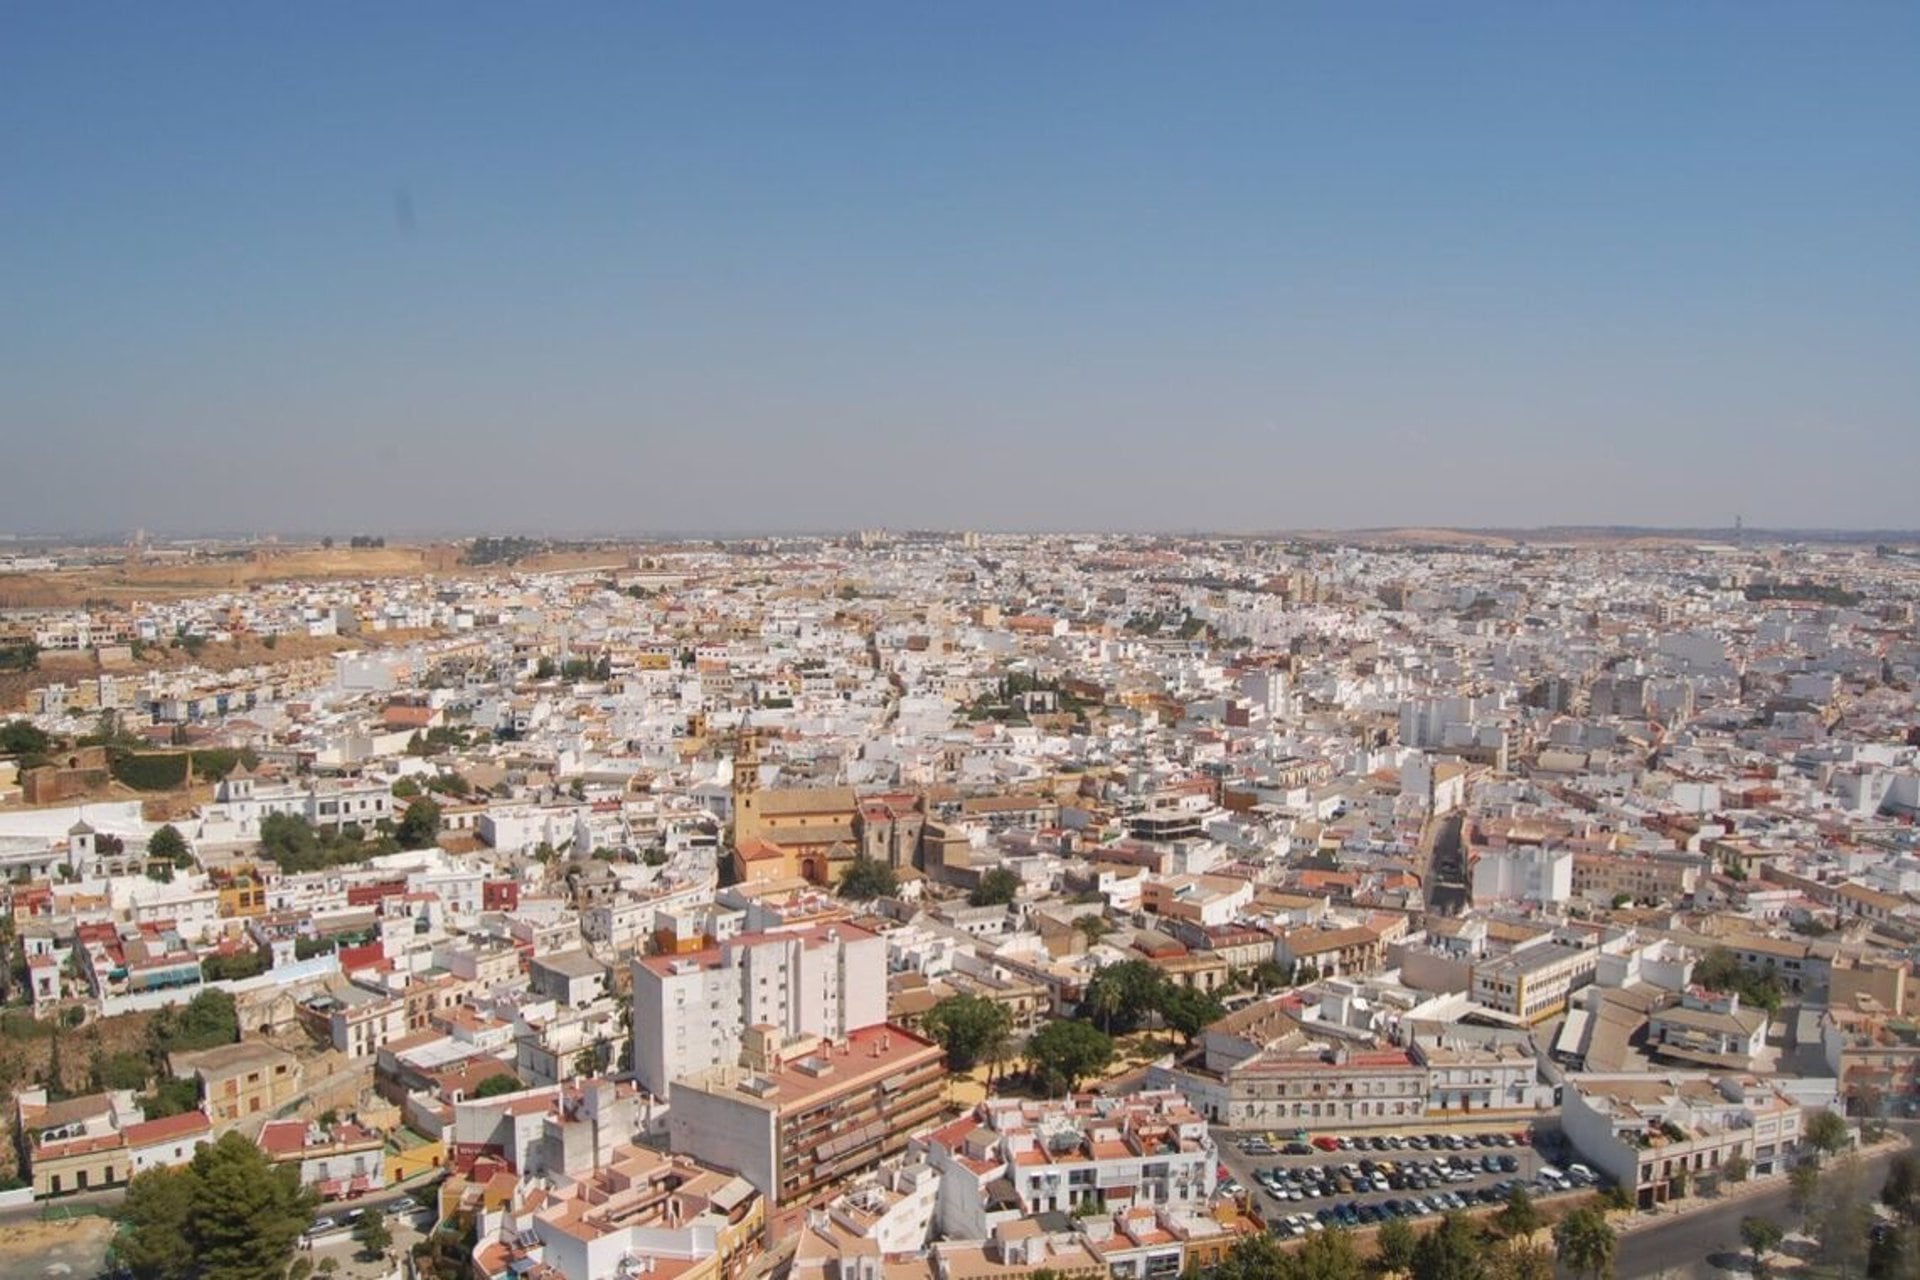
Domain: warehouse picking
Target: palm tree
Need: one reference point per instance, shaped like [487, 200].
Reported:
[1104, 1000]
[1586, 1242]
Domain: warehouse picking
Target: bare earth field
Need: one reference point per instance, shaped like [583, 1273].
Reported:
[73, 1248]
[132, 582]
[126, 583]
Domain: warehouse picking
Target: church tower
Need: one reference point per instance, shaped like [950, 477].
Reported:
[746, 787]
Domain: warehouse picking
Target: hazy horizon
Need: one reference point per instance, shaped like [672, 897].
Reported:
[1226, 268]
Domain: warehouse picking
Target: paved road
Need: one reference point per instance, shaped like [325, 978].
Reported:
[78, 1202]
[1680, 1249]
[1447, 891]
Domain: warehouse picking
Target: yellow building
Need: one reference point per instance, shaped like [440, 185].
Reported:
[240, 1080]
[811, 832]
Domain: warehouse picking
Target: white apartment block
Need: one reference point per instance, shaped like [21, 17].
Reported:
[1523, 874]
[689, 1011]
[1645, 1131]
[1082, 1155]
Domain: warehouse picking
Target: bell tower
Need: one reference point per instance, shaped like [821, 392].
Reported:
[746, 787]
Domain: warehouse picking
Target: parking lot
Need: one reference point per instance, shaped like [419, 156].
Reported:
[1300, 1185]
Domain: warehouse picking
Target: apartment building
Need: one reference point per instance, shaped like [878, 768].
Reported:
[99, 1140]
[342, 1162]
[1467, 1078]
[1532, 983]
[1709, 1029]
[573, 979]
[799, 1116]
[1261, 1066]
[641, 1213]
[1334, 952]
[1078, 1155]
[240, 1080]
[690, 1011]
[1647, 1131]
[1523, 873]
[356, 1021]
[1602, 877]
[1875, 1056]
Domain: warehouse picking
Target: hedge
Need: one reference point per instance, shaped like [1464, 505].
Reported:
[150, 771]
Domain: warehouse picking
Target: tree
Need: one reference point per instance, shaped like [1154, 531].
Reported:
[167, 844]
[1586, 1242]
[869, 878]
[208, 1019]
[1257, 1257]
[1761, 1236]
[1517, 1217]
[1122, 996]
[1889, 1254]
[23, 738]
[495, 1085]
[170, 1097]
[1065, 1053]
[406, 788]
[1518, 1260]
[155, 1243]
[1827, 1132]
[419, 825]
[1451, 1251]
[228, 968]
[1270, 975]
[1616, 1197]
[1842, 1215]
[997, 888]
[1092, 927]
[1901, 1192]
[1803, 1187]
[967, 1026]
[1329, 1255]
[1677, 1184]
[372, 1234]
[1394, 1245]
[229, 1215]
[1737, 1168]
[1189, 1010]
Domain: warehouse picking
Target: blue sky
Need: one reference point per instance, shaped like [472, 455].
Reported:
[645, 268]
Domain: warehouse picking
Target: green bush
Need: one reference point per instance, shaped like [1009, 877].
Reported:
[149, 770]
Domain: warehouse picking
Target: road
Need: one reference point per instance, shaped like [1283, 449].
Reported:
[1680, 1248]
[1447, 892]
[79, 1202]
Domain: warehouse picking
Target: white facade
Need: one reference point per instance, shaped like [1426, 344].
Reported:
[1524, 874]
[689, 1011]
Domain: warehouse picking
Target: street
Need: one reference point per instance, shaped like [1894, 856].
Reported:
[1680, 1248]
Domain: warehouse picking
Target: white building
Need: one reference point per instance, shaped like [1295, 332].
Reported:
[689, 1011]
[1524, 873]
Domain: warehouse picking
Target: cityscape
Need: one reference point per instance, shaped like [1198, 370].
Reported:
[857, 641]
[971, 903]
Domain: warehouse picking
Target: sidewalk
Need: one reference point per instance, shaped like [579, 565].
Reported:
[1736, 1192]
